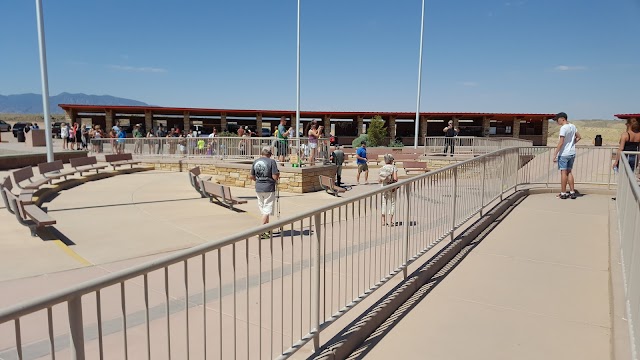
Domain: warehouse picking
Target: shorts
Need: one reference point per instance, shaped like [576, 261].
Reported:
[265, 202]
[363, 167]
[281, 148]
[313, 145]
[566, 162]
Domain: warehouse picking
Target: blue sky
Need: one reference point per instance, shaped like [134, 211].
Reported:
[577, 56]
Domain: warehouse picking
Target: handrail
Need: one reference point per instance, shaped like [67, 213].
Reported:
[429, 201]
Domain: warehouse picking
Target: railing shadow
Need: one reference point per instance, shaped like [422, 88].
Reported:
[385, 328]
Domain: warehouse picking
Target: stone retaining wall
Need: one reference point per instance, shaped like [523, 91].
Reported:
[295, 180]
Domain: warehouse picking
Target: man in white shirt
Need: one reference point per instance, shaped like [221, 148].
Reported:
[566, 154]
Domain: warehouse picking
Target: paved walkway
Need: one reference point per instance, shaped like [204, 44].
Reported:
[536, 288]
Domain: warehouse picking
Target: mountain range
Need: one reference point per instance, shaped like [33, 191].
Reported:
[32, 103]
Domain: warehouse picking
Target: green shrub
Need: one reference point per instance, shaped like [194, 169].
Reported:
[395, 143]
[356, 142]
[376, 131]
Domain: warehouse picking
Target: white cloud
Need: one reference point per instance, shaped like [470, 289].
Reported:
[470, 84]
[137, 69]
[569, 68]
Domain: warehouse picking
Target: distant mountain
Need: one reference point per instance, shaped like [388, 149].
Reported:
[32, 103]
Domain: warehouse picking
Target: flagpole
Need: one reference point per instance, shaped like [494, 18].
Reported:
[298, 78]
[417, 124]
[45, 81]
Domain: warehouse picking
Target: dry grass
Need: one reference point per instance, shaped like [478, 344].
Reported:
[588, 129]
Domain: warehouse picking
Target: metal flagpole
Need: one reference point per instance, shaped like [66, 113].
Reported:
[298, 79]
[45, 81]
[417, 124]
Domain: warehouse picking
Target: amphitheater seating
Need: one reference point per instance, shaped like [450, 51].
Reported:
[84, 164]
[220, 193]
[116, 160]
[26, 174]
[414, 166]
[28, 214]
[55, 170]
[329, 186]
[194, 179]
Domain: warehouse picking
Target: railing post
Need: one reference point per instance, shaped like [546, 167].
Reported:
[316, 285]
[484, 175]
[502, 179]
[407, 222]
[549, 168]
[76, 328]
[517, 150]
[455, 195]
[610, 169]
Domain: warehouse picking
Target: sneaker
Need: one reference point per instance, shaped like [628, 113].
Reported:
[563, 196]
[573, 195]
[265, 235]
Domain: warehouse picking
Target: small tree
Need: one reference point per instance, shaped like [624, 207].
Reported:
[377, 132]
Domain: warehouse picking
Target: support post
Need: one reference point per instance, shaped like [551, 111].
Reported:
[44, 81]
[392, 128]
[223, 122]
[186, 122]
[108, 120]
[259, 124]
[454, 201]
[423, 129]
[484, 176]
[316, 283]
[148, 120]
[486, 124]
[515, 129]
[545, 131]
[407, 222]
[327, 124]
[76, 328]
[360, 122]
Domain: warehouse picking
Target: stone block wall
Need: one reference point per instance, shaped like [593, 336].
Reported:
[294, 180]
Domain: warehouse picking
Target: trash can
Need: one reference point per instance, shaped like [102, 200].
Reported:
[598, 140]
[21, 136]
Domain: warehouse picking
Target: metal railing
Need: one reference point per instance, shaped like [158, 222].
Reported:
[205, 147]
[243, 297]
[628, 206]
[469, 145]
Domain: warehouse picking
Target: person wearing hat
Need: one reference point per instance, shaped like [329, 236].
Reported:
[565, 154]
[264, 171]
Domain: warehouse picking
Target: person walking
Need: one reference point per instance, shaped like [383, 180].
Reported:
[629, 141]
[337, 157]
[449, 133]
[361, 161]
[387, 176]
[565, 155]
[265, 173]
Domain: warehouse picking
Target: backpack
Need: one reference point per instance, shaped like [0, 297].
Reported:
[385, 176]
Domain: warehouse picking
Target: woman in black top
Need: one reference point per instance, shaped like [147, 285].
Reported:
[629, 141]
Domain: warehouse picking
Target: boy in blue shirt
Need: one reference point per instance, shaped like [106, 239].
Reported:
[361, 161]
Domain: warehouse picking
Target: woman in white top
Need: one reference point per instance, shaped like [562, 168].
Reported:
[388, 175]
[64, 134]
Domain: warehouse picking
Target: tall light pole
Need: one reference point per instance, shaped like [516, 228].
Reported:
[417, 124]
[298, 77]
[45, 81]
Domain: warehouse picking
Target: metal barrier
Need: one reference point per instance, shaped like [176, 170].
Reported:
[469, 145]
[243, 297]
[628, 206]
[205, 147]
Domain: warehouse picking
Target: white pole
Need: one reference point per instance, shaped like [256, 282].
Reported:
[45, 81]
[417, 124]
[298, 78]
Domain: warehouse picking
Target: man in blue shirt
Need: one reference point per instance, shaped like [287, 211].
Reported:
[361, 161]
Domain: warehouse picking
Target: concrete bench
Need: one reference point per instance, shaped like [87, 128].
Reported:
[329, 186]
[120, 160]
[220, 193]
[414, 166]
[84, 164]
[54, 170]
[25, 196]
[28, 214]
[26, 174]
[194, 179]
